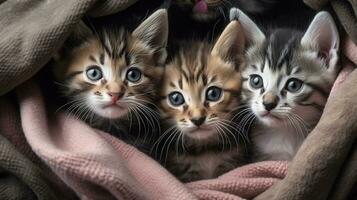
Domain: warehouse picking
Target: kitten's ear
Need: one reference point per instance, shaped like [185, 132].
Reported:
[154, 30]
[230, 44]
[251, 31]
[322, 35]
[80, 33]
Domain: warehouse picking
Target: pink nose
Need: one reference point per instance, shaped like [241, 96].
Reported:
[115, 96]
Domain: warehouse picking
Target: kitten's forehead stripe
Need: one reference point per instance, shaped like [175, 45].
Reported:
[92, 58]
[204, 79]
[101, 58]
[180, 83]
[280, 47]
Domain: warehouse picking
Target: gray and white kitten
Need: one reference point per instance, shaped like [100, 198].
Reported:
[286, 82]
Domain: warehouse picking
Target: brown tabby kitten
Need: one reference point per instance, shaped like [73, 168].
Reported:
[111, 76]
[199, 92]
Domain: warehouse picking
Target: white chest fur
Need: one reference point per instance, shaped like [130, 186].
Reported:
[275, 143]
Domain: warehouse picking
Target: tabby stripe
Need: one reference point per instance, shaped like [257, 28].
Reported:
[127, 59]
[262, 66]
[315, 105]
[206, 104]
[279, 79]
[318, 89]
[106, 48]
[72, 75]
[93, 59]
[199, 73]
[214, 78]
[180, 83]
[283, 93]
[101, 58]
[304, 97]
[231, 91]
[185, 107]
[122, 50]
[246, 90]
[204, 79]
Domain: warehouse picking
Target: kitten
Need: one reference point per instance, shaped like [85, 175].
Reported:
[286, 82]
[199, 92]
[111, 76]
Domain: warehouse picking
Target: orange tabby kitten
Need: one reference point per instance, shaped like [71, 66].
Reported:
[201, 85]
[111, 76]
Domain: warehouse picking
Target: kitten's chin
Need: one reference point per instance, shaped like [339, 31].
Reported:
[200, 134]
[270, 119]
[111, 112]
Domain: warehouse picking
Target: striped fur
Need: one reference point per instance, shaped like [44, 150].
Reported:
[213, 147]
[114, 51]
[283, 116]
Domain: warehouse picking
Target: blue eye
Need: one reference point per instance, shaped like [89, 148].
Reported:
[213, 93]
[293, 85]
[94, 73]
[133, 74]
[176, 98]
[256, 81]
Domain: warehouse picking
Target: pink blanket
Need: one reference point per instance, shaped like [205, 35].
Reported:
[98, 166]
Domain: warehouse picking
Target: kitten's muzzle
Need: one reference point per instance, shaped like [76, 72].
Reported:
[198, 121]
[270, 101]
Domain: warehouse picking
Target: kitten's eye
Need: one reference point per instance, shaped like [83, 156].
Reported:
[213, 93]
[256, 81]
[133, 74]
[94, 73]
[176, 98]
[293, 85]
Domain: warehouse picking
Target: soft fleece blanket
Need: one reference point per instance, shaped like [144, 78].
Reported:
[45, 156]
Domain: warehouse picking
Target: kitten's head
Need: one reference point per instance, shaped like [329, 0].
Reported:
[201, 85]
[204, 10]
[288, 74]
[113, 71]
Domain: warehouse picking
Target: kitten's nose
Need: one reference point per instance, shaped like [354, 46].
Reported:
[270, 101]
[198, 120]
[115, 96]
[269, 106]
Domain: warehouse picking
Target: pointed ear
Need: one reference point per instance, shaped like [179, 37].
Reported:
[154, 30]
[230, 44]
[251, 31]
[322, 35]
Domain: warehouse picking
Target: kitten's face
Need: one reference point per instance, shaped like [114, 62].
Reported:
[287, 78]
[116, 72]
[201, 86]
[296, 87]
